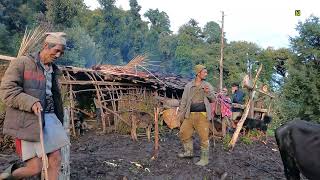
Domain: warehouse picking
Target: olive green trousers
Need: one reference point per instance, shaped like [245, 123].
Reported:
[197, 121]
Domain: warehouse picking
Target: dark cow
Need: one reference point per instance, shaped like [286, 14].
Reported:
[299, 145]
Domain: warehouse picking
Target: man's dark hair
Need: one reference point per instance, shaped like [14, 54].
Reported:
[235, 84]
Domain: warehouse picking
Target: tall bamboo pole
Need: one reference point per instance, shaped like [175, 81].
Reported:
[221, 52]
[245, 113]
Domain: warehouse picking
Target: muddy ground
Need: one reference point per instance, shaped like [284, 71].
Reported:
[115, 156]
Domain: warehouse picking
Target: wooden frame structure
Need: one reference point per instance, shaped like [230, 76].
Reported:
[109, 86]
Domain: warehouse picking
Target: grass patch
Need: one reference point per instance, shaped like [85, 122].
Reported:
[225, 141]
[246, 140]
[270, 132]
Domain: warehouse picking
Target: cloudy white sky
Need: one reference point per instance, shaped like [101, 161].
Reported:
[265, 22]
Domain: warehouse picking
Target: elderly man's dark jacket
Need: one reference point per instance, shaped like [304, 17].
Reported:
[24, 84]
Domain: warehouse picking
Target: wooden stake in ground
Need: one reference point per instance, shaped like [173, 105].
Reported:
[245, 113]
[43, 152]
[156, 134]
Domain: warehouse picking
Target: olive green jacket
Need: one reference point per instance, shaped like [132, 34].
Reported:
[187, 96]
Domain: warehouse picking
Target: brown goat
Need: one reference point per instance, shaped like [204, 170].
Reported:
[140, 120]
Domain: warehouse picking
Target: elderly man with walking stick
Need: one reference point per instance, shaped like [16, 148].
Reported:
[34, 113]
[196, 112]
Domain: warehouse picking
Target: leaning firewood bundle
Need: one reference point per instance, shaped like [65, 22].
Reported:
[168, 103]
[169, 111]
[170, 118]
[171, 103]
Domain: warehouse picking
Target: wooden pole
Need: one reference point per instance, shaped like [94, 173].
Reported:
[245, 114]
[65, 151]
[114, 113]
[71, 111]
[44, 155]
[113, 103]
[102, 95]
[251, 109]
[221, 53]
[99, 95]
[269, 108]
[7, 58]
[213, 129]
[102, 114]
[84, 112]
[156, 134]
[71, 105]
[262, 110]
[265, 93]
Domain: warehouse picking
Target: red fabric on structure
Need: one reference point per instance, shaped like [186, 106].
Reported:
[213, 108]
[18, 147]
[225, 106]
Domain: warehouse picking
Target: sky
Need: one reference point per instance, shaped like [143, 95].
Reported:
[268, 23]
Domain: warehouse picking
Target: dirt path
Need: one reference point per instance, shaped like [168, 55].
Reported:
[117, 157]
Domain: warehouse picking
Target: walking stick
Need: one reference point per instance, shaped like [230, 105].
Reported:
[213, 129]
[44, 156]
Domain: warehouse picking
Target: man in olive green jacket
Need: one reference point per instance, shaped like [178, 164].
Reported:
[196, 111]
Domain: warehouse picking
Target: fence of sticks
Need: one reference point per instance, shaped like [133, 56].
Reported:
[113, 93]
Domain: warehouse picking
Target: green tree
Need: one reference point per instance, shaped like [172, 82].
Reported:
[212, 32]
[302, 86]
[275, 63]
[159, 43]
[190, 33]
[110, 36]
[15, 16]
[64, 12]
[82, 50]
[188, 38]
[160, 21]
[136, 31]
[237, 55]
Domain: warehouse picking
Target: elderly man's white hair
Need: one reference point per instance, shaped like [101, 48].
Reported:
[56, 38]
